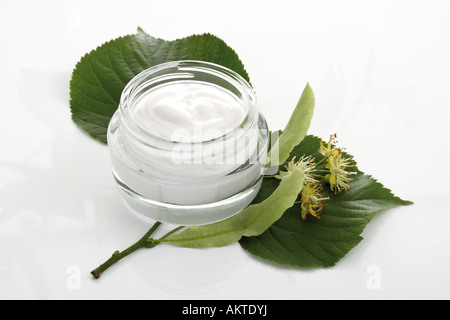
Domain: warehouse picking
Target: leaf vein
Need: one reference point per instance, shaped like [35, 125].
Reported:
[99, 82]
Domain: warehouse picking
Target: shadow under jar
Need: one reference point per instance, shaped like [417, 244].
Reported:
[187, 143]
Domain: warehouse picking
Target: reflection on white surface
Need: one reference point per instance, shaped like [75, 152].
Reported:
[47, 194]
[191, 271]
[176, 269]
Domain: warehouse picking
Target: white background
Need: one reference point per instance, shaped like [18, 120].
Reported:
[381, 75]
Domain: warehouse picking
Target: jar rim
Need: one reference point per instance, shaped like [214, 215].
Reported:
[180, 70]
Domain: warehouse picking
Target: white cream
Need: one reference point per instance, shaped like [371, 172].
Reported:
[189, 112]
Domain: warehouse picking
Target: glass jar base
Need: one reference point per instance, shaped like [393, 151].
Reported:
[151, 210]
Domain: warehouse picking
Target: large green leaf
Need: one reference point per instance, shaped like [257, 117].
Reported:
[321, 243]
[100, 76]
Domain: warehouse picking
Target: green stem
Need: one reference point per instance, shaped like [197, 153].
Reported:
[153, 242]
[117, 255]
[321, 160]
[318, 170]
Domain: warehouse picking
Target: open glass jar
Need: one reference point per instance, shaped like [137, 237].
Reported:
[187, 143]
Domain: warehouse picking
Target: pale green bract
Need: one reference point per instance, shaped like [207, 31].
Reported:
[295, 130]
[252, 221]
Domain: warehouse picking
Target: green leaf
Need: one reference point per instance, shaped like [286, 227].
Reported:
[100, 76]
[321, 243]
[295, 130]
[251, 221]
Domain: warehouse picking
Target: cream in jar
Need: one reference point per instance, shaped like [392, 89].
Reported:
[189, 112]
[188, 143]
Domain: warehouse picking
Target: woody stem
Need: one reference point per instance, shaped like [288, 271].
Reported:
[117, 255]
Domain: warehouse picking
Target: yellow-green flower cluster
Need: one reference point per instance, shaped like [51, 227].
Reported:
[312, 200]
[338, 178]
[305, 164]
[335, 171]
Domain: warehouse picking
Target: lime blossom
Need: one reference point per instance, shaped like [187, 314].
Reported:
[330, 149]
[312, 200]
[305, 163]
[339, 178]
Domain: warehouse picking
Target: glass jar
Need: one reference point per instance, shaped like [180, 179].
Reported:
[187, 178]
